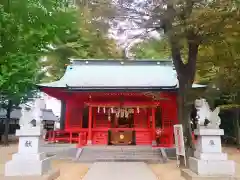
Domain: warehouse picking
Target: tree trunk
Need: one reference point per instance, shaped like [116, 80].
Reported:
[237, 128]
[7, 121]
[184, 118]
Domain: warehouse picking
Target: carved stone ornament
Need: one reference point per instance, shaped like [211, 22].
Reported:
[32, 116]
[211, 142]
[205, 117]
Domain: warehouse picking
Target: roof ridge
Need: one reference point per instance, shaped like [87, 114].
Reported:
[161, 62]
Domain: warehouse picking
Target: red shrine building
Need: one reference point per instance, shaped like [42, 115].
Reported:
[112, 102]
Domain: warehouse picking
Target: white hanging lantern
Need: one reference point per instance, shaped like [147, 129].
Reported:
[117, 113]
[122, 113]
[109, 115]
[126, 113]
[98, 109]
[104, 110]
[131, 111]
[112, 110]
[138, 110]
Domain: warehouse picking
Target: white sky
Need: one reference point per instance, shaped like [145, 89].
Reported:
[54, 104]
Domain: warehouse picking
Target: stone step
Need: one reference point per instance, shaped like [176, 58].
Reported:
[123, 157]
[118, 153]
[147, 160]
[120, 157]
[123, 150]
[122, 154]
[119, 147]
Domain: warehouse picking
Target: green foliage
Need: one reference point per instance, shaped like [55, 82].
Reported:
[152, 49]
[86, 42]
[99, 13]
[229, 106]
[217, 28]
[18, 74]
[27, 28]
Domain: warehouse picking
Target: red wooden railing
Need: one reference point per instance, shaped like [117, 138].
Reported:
[68, 136]
[100, 136]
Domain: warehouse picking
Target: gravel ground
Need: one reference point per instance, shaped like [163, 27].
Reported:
[76, 171]
[170, 171]
[68, 169]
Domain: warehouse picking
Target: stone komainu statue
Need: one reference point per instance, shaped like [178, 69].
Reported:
[205, 116]
[32, 116]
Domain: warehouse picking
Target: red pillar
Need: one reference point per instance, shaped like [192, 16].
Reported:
[89, 141]
[149, 118]
[94, 111]
[153, 127]
[134, 117]
[67, 115]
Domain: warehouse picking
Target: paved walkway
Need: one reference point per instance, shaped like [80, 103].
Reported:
[120, 171]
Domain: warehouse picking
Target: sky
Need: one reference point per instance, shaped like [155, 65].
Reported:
[125, 28]
[52, 103]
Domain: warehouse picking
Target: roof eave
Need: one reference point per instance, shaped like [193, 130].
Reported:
[147, 88]
[104, 88]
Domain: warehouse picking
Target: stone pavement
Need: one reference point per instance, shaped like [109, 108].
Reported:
[120, 171]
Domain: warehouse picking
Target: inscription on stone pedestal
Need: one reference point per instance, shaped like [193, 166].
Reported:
[28, 143]
[211, 142]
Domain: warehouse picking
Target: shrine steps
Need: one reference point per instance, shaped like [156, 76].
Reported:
[120, 154]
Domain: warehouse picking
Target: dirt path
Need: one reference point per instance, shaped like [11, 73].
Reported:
[120, 171]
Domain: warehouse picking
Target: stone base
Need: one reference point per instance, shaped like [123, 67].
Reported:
[189, 175]
[208, 132]
[213, 167]
[154, 143]
[210, 156]
[27, 165]
[89, 142]
[50, 175]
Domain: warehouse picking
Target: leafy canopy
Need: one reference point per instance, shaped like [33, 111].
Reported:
[87, 42]
[27, 28]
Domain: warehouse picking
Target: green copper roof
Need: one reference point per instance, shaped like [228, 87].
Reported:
[97, 74]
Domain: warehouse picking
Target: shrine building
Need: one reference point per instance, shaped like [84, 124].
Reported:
[113, 102]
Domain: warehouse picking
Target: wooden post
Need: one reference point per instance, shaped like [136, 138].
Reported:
[134, 117]
[149, 118]
[94, 117]
[154, 143]
[89, 142]
[63, 115]
[67, 114]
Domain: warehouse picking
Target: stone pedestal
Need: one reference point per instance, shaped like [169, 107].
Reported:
[29, 161]
[208, 160]
[89, 142]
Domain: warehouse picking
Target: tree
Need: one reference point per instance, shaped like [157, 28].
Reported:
[89, 41]
[27, 28]
[187, 24]
[99, 13]
[152, 48]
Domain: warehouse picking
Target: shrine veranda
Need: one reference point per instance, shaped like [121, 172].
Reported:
[113, 102]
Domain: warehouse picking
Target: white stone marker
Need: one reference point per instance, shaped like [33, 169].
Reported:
[29, 161]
